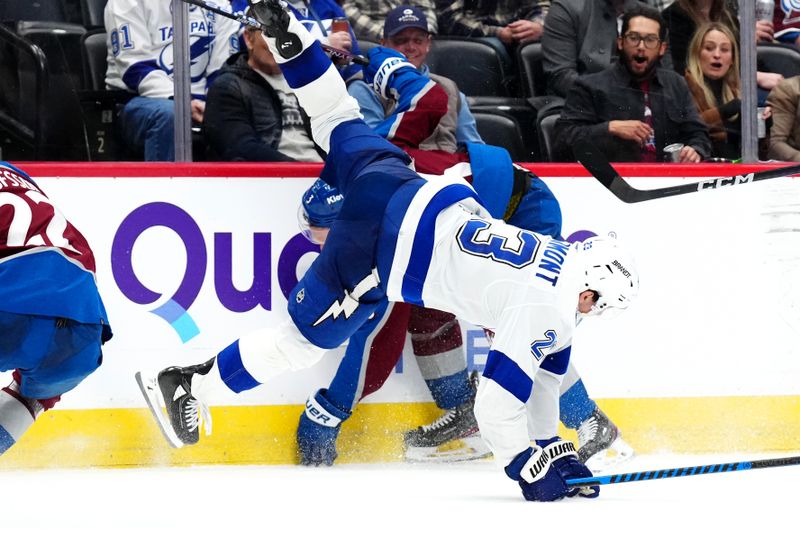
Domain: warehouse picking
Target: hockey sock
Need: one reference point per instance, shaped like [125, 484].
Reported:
[264, 354]
[575, 404]
[17, 414]
[449, 392]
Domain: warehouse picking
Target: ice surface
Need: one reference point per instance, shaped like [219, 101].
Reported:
[393, 501]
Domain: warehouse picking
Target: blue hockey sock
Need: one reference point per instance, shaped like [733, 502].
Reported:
[575, 405]
[450, 391]
[232, 369]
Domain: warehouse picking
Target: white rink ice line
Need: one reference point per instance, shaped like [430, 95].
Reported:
[467, 501]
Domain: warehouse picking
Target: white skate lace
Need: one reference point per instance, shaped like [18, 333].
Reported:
[194, 411]
[441, 421]
[587, 431]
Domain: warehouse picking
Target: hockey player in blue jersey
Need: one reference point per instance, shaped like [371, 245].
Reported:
[425, 241]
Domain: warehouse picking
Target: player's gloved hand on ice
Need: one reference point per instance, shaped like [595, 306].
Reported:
[569, 466]
[318, 429]
[543, 469]
[384, 63]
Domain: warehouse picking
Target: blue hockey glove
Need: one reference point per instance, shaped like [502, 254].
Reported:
[318, 429]
[570, 467]
[543, 469]
[383, 64]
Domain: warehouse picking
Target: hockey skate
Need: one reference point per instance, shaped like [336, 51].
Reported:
[453, 437]
[177, 411]
[275, 23]
[600, 443]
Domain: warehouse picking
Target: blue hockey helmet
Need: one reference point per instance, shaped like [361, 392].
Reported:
[319, 207]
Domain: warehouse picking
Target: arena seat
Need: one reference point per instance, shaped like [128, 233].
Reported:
[546, 130]
[475, 67]
[502, 130]
[531, 71]
[92, 13]
[778, 58]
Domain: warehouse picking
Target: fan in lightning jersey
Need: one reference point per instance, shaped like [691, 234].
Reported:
[140, 60]
[52, 320]
[425, 241]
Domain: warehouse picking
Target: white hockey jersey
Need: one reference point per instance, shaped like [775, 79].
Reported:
[140, 53]
[521, 285]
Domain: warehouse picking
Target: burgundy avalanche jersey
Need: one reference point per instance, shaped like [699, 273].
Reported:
[46, 265]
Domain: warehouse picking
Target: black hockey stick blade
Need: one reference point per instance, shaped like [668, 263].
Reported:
[683, 472]
[599, 167]
[249, 21]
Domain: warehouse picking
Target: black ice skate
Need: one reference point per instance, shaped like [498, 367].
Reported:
[275, 22]
[177, 411]
[454, 436]
[601, 444]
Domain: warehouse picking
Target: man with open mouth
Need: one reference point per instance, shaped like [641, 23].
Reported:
[634, 108]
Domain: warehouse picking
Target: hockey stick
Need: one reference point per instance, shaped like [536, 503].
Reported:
[249, 21]
[683, 472]
[600, 168]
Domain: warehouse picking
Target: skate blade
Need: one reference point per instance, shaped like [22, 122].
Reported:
[152, 395]
[460, 450]
[617, 453]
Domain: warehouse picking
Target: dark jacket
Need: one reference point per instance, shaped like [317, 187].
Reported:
[580, 37]
[612, 94]
[243, 120]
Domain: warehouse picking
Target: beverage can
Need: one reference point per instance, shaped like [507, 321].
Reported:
[340, 24]
[673, 152]
[765, 9]
[762, 124]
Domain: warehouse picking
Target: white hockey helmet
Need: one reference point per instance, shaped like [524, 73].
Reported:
[610, 271]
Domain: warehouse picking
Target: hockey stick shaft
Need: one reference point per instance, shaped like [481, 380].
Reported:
[249, 21]
[599, 167]
[683, 472]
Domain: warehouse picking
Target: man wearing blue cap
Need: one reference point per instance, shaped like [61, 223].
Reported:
[367, 17]
[405, 30]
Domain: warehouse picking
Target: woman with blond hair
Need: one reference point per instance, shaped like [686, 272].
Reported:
[712, 73]
[684, 17]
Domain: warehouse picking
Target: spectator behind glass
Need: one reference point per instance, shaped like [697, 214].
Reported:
[252, 115]
[367, 16]
[684, 16]
[405, 31]
[511, 22]
[712, 73]
[140, 61]
[784, 138]
[634, 108]
[579, 38]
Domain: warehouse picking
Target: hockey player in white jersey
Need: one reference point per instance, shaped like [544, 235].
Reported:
[426, 241]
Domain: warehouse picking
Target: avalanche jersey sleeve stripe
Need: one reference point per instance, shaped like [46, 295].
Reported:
[422, 247]
[557, 362]
[508, 375]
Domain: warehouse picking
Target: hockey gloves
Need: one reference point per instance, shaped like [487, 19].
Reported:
[383, 64]
[543, 469]
[318, 430]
